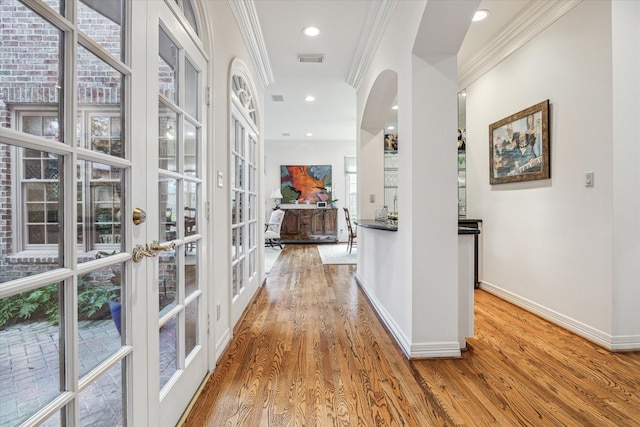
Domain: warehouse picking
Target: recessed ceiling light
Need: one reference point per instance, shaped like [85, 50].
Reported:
[309, 98]
[311, 31]
[480, 15]
[309, 134]
[391, 127]
[395, 107]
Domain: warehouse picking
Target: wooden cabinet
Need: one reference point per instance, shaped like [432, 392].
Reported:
[294, 224]
[309, 225]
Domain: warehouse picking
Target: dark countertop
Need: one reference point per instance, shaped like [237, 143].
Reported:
[469, 220]
[377, 225]
[467, 230]
[393, 226]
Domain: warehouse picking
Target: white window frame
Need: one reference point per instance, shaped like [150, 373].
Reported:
[19, 228]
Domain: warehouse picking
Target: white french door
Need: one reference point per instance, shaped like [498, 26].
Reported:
[176, 323]
[109, 125]
[67, 296]
[244, 196]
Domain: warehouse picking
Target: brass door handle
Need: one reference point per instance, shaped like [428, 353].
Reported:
[150, 250]
[157, 247]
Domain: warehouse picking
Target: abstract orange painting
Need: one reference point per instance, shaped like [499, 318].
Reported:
[305, 183]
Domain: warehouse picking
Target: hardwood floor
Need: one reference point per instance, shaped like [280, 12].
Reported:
[311, 352]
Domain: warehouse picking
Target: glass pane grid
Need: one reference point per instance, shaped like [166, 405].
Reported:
[36, 213]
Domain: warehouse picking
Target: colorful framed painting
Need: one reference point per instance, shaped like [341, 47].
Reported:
[305, 184]
[519, 146]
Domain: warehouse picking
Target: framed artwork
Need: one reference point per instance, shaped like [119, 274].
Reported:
[391, 142]
[519, 146]
[305, 184]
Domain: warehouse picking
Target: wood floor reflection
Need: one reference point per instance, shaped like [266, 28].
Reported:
[311, 352]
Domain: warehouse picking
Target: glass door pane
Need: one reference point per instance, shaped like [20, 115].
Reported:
[31, 351]
[181, 355]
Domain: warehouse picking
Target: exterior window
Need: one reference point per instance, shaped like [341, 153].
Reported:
[97, 184]
[41, 190]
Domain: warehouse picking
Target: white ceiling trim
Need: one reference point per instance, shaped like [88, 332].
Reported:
[247, 18]
[533, 19]
[375, 24]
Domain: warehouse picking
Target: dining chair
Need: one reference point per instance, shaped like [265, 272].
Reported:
[351, 230]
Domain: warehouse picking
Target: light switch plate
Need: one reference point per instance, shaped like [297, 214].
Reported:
[588, 179]
[220, 179]
[372, 198]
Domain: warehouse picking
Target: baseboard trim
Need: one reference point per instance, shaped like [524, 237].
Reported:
[609, 342]
[222, 344]
[411, 351]
[436, 350]
[193, 401]
[385, 318]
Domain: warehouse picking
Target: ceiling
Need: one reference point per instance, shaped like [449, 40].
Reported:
[332, 116]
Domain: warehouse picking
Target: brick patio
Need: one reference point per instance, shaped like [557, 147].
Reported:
[30, 369]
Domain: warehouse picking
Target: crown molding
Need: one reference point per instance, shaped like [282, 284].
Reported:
[534, 18]
[376, 22]
[247, 19]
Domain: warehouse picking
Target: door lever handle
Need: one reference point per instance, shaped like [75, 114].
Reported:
[157, 247]
[150, 250]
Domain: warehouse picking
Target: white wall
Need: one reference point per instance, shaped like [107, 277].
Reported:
[384, 258]
[411, 275]
[548, 245]
[227, 45]
[278, 153]
[626, 175]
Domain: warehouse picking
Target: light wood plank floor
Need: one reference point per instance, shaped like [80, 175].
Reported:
[311, 352]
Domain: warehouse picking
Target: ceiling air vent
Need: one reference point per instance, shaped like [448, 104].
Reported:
[311, 58]
[277, 98]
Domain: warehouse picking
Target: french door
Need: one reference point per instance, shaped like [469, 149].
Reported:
[244, 195]
[102, 152]
[175, 175]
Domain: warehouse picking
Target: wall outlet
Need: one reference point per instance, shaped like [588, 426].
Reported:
[372, 198]
[218, 311]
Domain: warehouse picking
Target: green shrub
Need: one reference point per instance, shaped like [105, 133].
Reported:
[43, 303]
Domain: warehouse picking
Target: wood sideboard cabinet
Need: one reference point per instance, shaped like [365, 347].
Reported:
[310, 225]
